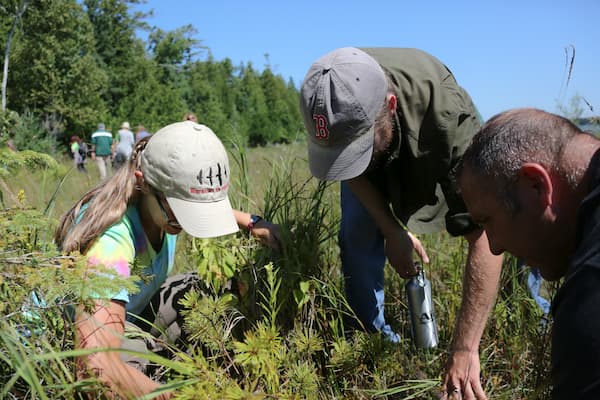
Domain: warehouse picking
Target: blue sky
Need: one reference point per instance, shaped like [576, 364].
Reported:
[505, 53]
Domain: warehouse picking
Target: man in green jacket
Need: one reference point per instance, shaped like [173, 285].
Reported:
[391, 124]
[102, 146]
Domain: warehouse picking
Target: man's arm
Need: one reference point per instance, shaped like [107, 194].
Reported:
[399, 244]
[480, 286]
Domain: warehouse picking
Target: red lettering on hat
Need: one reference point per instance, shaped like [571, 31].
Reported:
[321, 127]
[209, 190]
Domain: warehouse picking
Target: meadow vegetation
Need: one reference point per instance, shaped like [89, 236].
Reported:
[272, 325]
[278, 331]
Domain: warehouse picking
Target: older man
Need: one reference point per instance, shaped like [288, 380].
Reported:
[532, 180]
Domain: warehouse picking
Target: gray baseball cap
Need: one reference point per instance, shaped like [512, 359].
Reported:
[188, 163]
[340, 97]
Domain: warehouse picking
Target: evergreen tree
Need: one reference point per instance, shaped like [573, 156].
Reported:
[252, 106]
[76, 63]
[211, 95]
[152, 103]
[172, 51]
[295, 126]
[118, 49]
[54, 72]
[282, 105]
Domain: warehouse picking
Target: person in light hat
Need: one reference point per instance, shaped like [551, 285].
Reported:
[391, 124]
[177, 179]
[124, 147]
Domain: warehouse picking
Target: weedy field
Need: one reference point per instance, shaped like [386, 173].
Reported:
[280, 334]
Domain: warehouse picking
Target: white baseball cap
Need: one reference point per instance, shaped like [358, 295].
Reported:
[188, 163]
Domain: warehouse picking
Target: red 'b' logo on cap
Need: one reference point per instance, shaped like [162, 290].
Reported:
[321, 131]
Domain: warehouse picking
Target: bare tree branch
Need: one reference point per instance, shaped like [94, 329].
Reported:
[18, 15]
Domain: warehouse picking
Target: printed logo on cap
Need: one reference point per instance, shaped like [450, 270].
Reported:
[212, 177]
[321, 130]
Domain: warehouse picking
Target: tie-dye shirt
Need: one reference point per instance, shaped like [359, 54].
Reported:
[122, 244]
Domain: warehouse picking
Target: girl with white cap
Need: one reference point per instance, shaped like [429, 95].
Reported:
[175, 180]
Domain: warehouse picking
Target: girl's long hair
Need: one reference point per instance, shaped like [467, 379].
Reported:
[107, 204]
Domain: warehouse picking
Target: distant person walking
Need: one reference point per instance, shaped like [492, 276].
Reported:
[102, 141]
[125, 143]
[76, 147]
[141, 133]
[83, 152]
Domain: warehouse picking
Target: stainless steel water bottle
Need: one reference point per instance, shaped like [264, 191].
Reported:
[420, 308]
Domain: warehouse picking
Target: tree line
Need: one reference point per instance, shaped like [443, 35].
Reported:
[69, 65]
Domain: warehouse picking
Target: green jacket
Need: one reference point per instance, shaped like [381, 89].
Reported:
[102, 142]
[435, 121]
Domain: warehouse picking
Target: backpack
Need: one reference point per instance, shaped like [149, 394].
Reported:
[83, 149]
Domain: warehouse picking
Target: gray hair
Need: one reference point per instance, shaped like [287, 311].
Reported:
[515, 137]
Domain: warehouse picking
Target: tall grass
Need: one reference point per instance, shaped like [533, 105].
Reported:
[269, 325]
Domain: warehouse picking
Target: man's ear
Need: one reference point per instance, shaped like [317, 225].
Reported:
[536, 180]
[139, 178]
[392, 102]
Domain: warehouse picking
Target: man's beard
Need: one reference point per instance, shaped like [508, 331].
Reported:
[383, 147]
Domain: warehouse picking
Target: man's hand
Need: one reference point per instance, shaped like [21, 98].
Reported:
[462, 379]
[480, 285]
[399, 246]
